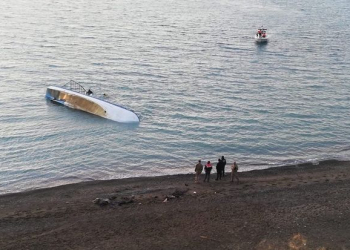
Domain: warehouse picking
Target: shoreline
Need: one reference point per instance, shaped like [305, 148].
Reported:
[304, 206]
[228, 169]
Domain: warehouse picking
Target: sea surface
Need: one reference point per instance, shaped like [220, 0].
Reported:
[190, 69]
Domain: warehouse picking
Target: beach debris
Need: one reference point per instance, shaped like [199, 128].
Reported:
[96, 201]
[120, 203]
[179, 193]
[107, 201]
[101, 202]
[194, 192]
[126, 200]
[176, 194]
[104, 202]
[113, 197]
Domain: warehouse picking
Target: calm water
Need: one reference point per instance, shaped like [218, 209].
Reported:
[192, 71]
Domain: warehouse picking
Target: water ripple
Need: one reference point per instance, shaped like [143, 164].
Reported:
[191, 70]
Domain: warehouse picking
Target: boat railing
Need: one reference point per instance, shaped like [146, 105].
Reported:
[74, 86]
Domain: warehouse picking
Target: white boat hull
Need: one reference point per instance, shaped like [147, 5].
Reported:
[261, 39]
[91, 105]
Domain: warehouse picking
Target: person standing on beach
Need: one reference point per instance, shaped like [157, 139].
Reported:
[198, 169]
[223, 165]
[219, 166]
[234, 172]
[208, 167]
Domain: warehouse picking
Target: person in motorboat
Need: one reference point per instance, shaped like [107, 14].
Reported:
[89, 92]
[259, 33]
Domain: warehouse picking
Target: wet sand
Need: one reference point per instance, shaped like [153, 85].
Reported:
[297, 207]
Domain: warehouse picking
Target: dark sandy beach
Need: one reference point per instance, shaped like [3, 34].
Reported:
[297, 207]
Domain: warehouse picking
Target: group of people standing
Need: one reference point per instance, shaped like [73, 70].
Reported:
[220, 170]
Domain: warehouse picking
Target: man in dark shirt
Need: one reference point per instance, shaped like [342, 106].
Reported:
[219, 169]
[223, 165]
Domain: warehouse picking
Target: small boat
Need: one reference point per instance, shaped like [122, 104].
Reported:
[261, 36]
[75, 96]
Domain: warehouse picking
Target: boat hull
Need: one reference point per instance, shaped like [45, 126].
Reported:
[261, 40]
[91, 105]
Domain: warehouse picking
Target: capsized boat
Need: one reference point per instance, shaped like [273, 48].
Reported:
[75, 96]
[261, 36]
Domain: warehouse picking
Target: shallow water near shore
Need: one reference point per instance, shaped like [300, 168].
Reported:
[193, 73]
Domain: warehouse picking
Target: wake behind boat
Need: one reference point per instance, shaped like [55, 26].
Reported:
[261, 36]
[75, 96]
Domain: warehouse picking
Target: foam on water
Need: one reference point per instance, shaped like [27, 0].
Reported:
[193, 72]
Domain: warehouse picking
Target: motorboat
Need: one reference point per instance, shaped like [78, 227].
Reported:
[261, 36]
[74, 95]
